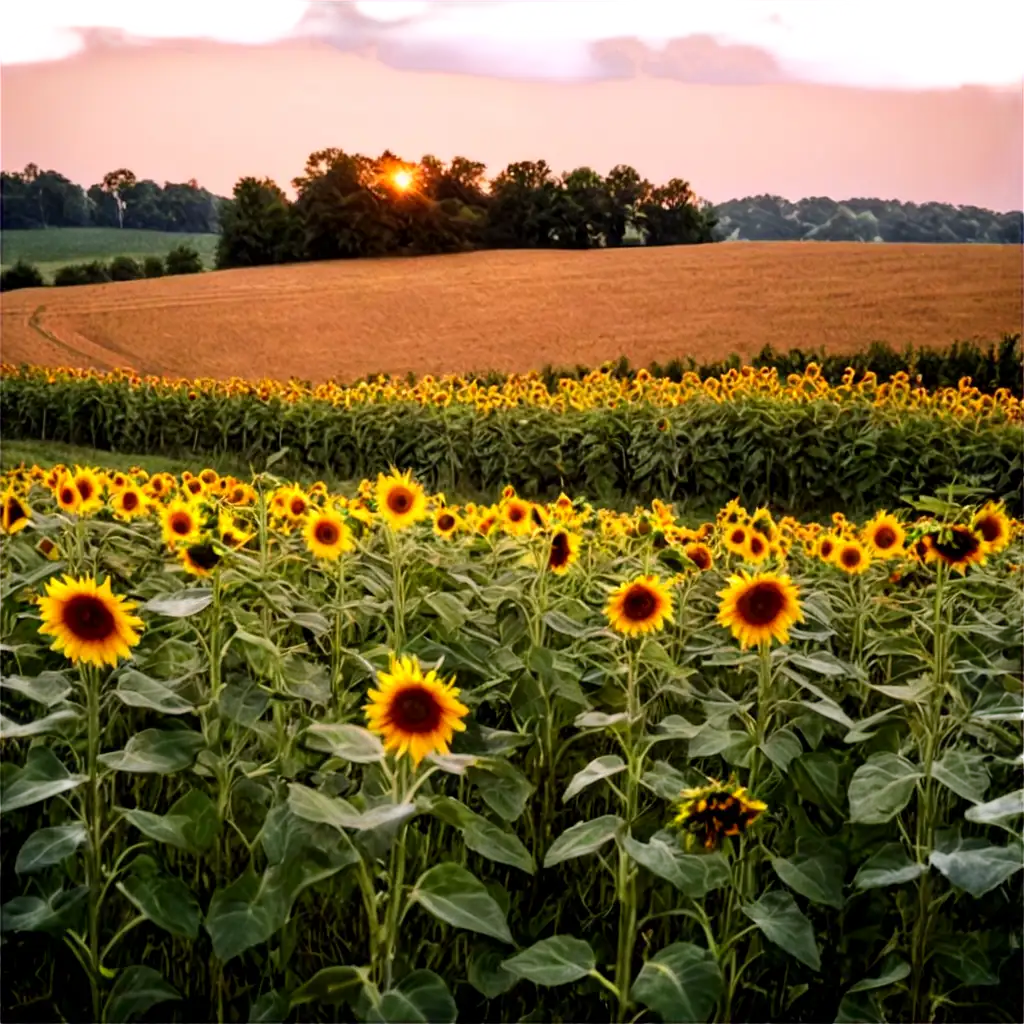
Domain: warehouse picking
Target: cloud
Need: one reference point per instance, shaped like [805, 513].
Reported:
[865, 43]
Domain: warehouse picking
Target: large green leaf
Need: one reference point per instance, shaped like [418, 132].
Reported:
[160, 751]
[42, 776]
[348, 742]
[888, 866]
[583, 838]
[47, 688]
[457, 897]
[881, 788]
[484, 837]
[980, 869]
[167, 901]
[894, 969]
[694, 874]
[419, 998]
[781, 748]
[237, 919]
[501, 786]
[998, 811]
[486, 973]
[964, 772]
[190, 824]
[783, 923]
[682, 982]
[600, 768]
[136, 990]
[664, 781]
[312, 805]
[140, 691]
[180, 605]
[555, 961]
[332, 986]
[55, 721]
[814, 871]
[52, 914]
[48, 846]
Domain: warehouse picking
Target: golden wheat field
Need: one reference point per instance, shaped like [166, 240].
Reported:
[515, 311]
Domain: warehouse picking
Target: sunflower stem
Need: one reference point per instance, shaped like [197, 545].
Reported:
[94, 826]
[338, 652]
[396, 877]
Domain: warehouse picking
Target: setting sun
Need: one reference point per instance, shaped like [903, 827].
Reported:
[402, 180]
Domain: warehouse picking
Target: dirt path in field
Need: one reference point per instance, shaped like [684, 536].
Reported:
[515, 311]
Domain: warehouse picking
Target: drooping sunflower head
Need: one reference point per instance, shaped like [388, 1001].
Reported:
[400, 500]
[180, 523]
[639, 606]
[852, 557]
[200, 558]
[414, 713]
[326, 534]
[992, 525]
[710, 813]
[884, 536]
[87, 622]
[759, 608]
[446, 523]
[955, 546]
[129, 502]
[700, 555]
[564, 550]
[15, 514]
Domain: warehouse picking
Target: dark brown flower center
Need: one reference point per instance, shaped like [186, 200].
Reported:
[445, 522]
[415, 709]
[639, 604]
[738, 536]
[700, 557]
[67, 496]
[756, 545]
[885, 537]
[194, 486]
[85, 489]
[181, 523]
[515, 514]
[326, 533]
[850, 557]
[237, 495]
[203, 556]
[88, 618]
[960, 546]
[559, 551]
[826, 548]
[991, 528]
[297, 505]
[399, 500]
[130, 501]
[761, 604]
[15, 511]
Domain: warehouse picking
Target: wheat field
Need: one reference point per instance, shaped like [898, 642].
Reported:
[515, 311]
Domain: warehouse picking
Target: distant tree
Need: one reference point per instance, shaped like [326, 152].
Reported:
[95, 272]
[183, 259]
[524, 207]
[21, 275]
[258, 227]
[124, 268]
[582, 209]
[671, 215]
[626, 190]
[115, 184]
[152, 266]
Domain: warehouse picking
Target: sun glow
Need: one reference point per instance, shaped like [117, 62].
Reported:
[402, 180]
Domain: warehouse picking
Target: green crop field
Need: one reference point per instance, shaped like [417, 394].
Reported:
[52, 248]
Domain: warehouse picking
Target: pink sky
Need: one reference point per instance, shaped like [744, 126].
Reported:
[796, 99]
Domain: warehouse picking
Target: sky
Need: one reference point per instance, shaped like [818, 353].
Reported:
[844, 98]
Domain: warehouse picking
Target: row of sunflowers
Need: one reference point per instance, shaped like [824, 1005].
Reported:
[276, 753]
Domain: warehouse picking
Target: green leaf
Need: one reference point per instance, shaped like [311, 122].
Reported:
[167, 902]
[180, 605]
[966, 957]
[563, 625]
[894, 969]
[191, 823]
[599, 720]
[349, 742]
[161, 751]
[881, 788]
[419, 998]
[889, 866]
[997, 811]
[979, 870]
[782, 922]
[694, 874]
[664, 781]
[42, 776]
[816, 777]
[270, 1008]
[140, 691]
[501, 786]
[555, 961]
[455, 896]
[599, 768]
[964, 773]
[332, 986]
[47, 688]
[454, 764]
[486, 973]
[53, 914]
[682, 982]
[781, 748]
[818, 875]
[236, 920]
[582, 838]
[312, 805]
[450, 610]
[49, 846]
[484, 837]
[136, 990]
[53, 722]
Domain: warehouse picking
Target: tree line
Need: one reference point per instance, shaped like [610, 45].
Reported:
[34, 198]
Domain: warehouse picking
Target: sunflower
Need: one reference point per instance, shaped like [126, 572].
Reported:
[993, 526]
[231, 534]
[515, 516]
[179, 522]
[88, 623]
[446, 523]
[326, 534]
[192, 485]
[700, 555]
[199, 559]
[758, 548]
[15, 513]
[295, 503]
[884, 536]
[707, 813]
[210, 477]
[852, 557]
[564, 550]
[826, 547]
[758, 608]
[414, 713]
[639, 606]
[400, 500]
[129, 502]
[66, 493]
[735, 539]
[90, 490]
[955, 546]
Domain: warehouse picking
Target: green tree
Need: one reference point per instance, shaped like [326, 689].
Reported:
[115, 184]
[258, 227]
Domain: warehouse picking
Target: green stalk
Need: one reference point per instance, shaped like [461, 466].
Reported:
[396, 880]
[337, 657]
[94, 826]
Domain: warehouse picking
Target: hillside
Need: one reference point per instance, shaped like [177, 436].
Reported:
[515, 311]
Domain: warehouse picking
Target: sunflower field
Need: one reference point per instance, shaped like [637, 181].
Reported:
[273, 753]
[797, 442]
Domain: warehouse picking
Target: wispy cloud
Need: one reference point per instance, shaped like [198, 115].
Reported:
[866, 43]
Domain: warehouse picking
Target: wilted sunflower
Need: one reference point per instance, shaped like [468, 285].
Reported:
[564, 550]
[400, 500]
[179, 523]
[446, 523]
[700, 555]
[199, 559]
[414, 713]
[992, 524]
[326, 534]
[129, 502]
[708, 813]
[15, 513]
[852, 557]
[760, 607]
[884, 535]
[87, 622]
[639, 606]
[955, 546]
